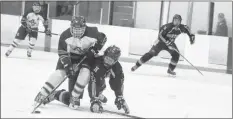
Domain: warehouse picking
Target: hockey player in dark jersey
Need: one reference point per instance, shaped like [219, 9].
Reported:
[75, 43]
[102, 67]
[30, 22]
[166, 39]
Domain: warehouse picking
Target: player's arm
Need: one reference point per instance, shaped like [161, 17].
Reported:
[64, 56]
[186, 30]
[45, 21]
[101, 40]
[24, 18]
[162, 33]
[116, 82]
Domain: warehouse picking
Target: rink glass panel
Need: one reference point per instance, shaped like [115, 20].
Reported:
[61, 10]
[147, 16]
[200, 14]
[219, 43]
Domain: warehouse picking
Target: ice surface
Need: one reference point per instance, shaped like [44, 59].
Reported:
[149, 92]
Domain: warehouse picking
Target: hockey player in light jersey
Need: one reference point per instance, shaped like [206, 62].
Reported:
[74, 44]
[30, 22]
[167, 36]
[102, 67]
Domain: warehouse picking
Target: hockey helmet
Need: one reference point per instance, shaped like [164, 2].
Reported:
[36, 7]
[176, 19]
[78, 26]
[111, 55]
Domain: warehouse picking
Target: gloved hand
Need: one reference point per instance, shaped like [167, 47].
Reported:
[68, 67]
[121, 103]
[48, 32]
[91, 55]
[69, 71]
[192, 39]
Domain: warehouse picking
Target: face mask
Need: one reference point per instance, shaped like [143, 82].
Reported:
[36, 9]
[108, 61]
[78, 32]
[176, 22]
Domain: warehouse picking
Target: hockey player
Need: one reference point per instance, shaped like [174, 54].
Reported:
[103, 66]
[75, 43]
[30, 22]
[167, 36]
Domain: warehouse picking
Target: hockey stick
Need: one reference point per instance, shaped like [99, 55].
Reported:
[44, 32]
[33, 111]
[123, 114]
[188, 61]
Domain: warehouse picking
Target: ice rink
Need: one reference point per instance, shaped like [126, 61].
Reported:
[149, 92]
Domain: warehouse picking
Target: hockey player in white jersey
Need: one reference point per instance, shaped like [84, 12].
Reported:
[75, 43]
[29, 26]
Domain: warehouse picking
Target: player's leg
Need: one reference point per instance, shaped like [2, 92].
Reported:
[32, 41]
[95, 89]
[63, 96]
[154, 51]
[174, 60]
[54, 79]
[20, 35]
[82, 81]
[100, 87]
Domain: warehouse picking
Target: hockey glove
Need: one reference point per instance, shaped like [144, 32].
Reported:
[91, 54]
[121, 103]
[192, 39]
[23, 22]
[68, 67]
[96, 106]
[48, 32]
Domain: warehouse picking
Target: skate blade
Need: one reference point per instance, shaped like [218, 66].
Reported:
[172, 76]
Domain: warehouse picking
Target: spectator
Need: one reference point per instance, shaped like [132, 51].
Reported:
[222, 29]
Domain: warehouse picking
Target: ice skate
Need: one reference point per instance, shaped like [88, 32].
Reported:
[29, 54]
[8, 53]
[134, 68]
[102, 98]
[74, 102]
[171, 73]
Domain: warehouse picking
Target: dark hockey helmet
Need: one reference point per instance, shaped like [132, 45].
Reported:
[111, 55]
[78, 26]
[176, 19]
[36, 7]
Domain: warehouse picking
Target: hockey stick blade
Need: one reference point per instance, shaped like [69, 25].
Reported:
[123, 114]
[189, 62]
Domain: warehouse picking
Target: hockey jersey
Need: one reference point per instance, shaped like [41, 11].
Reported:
[115, 73]
[169, 32]
[32, 19]
[73, 48]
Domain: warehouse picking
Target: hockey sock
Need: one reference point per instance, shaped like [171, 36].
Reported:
[14, 44]
[31, 44]
[172, 65]
[63, 96]
[54, 79]
[82, 81]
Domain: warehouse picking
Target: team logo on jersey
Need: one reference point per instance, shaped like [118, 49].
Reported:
[96, 69]
[79, 46]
